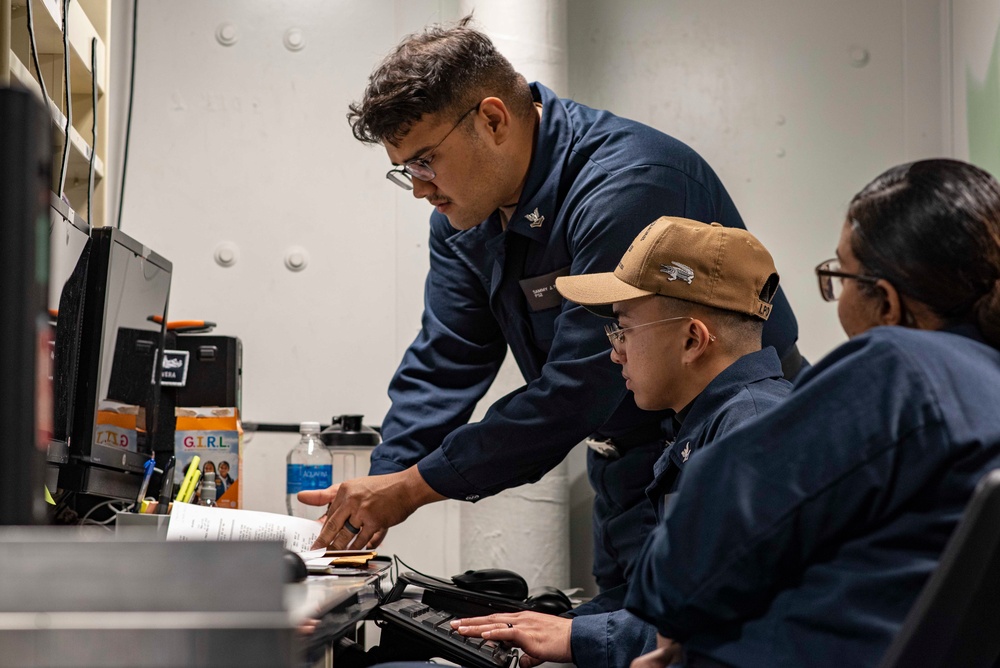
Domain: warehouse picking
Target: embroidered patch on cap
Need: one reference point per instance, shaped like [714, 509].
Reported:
[678, 270]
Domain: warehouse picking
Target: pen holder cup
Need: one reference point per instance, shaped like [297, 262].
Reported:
[136, 525]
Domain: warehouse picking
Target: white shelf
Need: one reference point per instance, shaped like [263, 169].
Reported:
[49, 38]
[78, 145]
[79, 157]
[88, 20]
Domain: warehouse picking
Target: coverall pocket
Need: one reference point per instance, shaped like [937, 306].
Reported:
[543, 326]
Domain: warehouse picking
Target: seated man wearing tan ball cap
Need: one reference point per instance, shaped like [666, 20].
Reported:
[688, 302]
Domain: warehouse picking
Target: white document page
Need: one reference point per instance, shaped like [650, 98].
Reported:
[191, 522]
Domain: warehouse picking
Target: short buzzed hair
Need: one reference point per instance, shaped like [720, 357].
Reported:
[738, 332]
[443, 68]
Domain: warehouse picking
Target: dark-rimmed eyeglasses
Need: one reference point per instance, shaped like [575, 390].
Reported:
[616, 334]
[420, 168]
[831, 279]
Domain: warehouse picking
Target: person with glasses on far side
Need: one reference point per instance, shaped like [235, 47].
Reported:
[526, 187]
[690, 301]
[836, 507]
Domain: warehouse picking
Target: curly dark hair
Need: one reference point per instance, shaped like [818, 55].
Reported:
[932, 229]
[443, 68]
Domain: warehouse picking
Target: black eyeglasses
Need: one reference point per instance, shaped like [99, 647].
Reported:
[420, 168]
[831, 279]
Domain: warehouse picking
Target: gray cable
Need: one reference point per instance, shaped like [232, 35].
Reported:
[69, 99]
[34, 56]
[128, 117]
[93, 147]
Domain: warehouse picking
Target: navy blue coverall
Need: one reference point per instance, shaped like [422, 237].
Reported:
[748, 388]
[837, 506]
[594, 182]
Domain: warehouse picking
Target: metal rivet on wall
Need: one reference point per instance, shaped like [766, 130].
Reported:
[227, 34]
[859, 56]
[296, 259]
[780, 153]
[226, 254]
[294, 40]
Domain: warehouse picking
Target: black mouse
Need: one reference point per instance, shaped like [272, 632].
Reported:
[295, 568]
[496, 581]
[548, 600]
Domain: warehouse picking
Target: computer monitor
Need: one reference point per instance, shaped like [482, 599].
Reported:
[69, 251]
[117, 390]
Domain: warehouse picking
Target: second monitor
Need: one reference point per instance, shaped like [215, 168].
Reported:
[117, 389]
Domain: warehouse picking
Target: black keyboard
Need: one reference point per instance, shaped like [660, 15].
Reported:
[433, 626]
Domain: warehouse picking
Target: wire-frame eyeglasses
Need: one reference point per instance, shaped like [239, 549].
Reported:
[616, 334]
[420, 168]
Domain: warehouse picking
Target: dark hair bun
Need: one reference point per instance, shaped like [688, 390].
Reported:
[988, 314]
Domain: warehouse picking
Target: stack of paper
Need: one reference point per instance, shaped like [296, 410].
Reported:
[339, 562]
[191, 522]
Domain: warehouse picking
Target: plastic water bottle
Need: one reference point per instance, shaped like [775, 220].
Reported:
[207, 496]
[310, 466]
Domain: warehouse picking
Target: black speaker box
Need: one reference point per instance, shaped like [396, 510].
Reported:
[215, 371]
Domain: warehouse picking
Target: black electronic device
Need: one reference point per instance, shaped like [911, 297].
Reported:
[25, 395]
[419, 628]
[295, 567]
[117, 385]
[550, 600]
[496, 581]
[214, 373]
[69, 250]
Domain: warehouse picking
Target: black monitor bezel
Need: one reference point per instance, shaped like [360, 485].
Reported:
[64, 380]
[83, 450]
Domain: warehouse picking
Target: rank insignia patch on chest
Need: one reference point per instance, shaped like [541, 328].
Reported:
[686, 452]
[535, 219]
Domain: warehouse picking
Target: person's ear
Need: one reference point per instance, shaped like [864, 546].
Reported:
[891, 310]
[696, 340]
[497, 117]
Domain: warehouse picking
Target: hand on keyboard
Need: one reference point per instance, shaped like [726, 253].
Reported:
[543, 637]
[435, 626]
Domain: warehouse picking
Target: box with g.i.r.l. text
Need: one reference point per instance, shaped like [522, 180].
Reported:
[215, 436]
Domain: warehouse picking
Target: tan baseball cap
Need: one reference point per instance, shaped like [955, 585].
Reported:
[723, 267]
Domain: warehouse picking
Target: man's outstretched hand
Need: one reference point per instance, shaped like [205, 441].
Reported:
[360, 511]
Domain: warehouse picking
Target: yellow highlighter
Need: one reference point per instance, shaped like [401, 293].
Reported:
[190, 491]
[189, 480]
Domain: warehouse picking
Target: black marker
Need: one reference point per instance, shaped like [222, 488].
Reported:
[166, 487]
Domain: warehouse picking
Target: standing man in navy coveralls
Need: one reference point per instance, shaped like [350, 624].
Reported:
[526, 188]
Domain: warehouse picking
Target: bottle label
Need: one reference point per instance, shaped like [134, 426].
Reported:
[301, 477]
